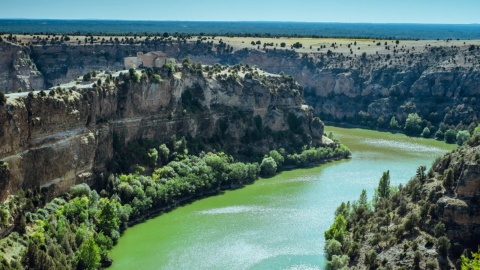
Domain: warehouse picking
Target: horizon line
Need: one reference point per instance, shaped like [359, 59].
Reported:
[236, 21]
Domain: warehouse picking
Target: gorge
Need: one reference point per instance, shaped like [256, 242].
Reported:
[224, 96]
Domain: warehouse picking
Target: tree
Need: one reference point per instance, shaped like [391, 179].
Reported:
[279, 159]
[425, 132]
[473, 263]
[413, 124]
[333, 247]
[448, 178]
[443, 245]
[152, 157]
[394, 123]
[439, 135]
[88, 255]
[164, 153]
[268, 167]
[363, 200]
[108, 221]
[450, 136]
[462, 136]
[421, 173]
[337, 230]
[383, 190]
[339, 262]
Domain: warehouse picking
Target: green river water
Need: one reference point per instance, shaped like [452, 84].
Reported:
[275, 223]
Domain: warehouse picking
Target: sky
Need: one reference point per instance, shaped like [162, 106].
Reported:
[349, 11]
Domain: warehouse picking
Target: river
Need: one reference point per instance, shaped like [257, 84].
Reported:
[275, 223]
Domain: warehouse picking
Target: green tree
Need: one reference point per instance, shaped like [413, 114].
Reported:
[164, 153]
[443, 245]
[450, 136]
[462, 136]
[394, 123]
[279, 159]
[108, 221]
[363, 200]
[439, 230]
[337, 230]
[448, 178]
[425, 132]
[439, 135]
[421, 173]
[4, 216]
[268, 167]
[152, 157]
[471, 264]
[88, 255]
[339, 262]
[333, 247]
[383, 190]
[413, 124]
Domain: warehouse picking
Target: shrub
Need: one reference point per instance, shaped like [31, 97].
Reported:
[371, 260]
[448, 178]
[450, 136]
[462, 136]
[425, 132]
[439, 230]
[268, 167]
[333, 247]
[413, 124]
[339, 262]
[439, 135]
[443, 245]
[80, 190]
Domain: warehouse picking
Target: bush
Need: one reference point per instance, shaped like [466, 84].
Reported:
[80, 190]
[425, 132]
[371, 260]
[413, 124]
[439, 135]
[268, 167]
[450, 136]
[333, 247]
[439, 230]
[462, 136]
[339, 262]
[443, 245]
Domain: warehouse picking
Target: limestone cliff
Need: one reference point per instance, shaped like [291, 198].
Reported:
[63, 137]
[17, 70]
[438, 83]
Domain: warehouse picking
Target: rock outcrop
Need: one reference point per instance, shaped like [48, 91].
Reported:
[438, 83]
[65, 136]
[17, 69]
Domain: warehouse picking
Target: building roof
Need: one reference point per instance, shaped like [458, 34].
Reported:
[158, 54]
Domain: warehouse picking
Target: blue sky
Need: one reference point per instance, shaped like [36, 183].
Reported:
[370, 11]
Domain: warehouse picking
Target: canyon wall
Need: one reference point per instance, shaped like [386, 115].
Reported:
[437, 83]
[57, 139]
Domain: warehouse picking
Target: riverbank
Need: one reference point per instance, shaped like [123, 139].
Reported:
[95, 220]
[276, 222]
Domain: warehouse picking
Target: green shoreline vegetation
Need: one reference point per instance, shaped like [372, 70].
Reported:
[76, 230]
[398, 216]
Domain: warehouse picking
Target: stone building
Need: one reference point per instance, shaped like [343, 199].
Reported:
[150, 59]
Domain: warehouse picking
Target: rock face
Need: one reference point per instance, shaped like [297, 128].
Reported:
[438, 83]
[66, 138]
[458, 206]
[17, 70]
